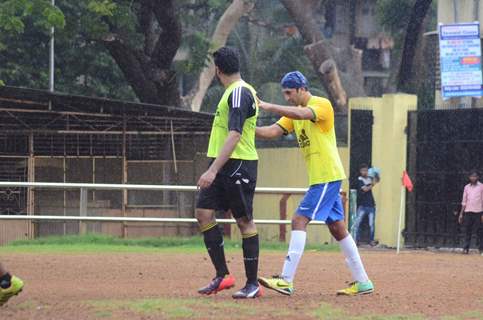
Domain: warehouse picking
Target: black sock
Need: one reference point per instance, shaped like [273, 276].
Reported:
[250, 256]
[215, 246]
[5, 281]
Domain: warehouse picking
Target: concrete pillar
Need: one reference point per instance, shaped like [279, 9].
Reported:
[389, 145]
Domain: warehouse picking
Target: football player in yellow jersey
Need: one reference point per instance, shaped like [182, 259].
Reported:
[312, 120]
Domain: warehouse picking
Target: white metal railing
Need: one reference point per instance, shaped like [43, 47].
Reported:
[100, 186]
[84, 187]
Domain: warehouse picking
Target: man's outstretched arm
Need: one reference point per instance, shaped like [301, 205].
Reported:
[289, 112]
[269, 132]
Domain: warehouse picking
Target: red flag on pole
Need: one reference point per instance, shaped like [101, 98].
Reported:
[406, 181]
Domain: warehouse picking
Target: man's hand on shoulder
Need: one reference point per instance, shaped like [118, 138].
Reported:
[263, 104]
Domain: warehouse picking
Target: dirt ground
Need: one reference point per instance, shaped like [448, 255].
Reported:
[417, 285]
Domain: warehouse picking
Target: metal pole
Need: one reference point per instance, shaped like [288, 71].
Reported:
[30, 192]
[65, 194]
[401, 209]
[477, 10]
[178, 205]
[455, 11]
[124, 174]
[173, 149]
[352, 210]
[83, 210]
[51, 59]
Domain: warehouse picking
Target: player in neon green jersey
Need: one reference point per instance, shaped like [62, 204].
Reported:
[229, 183]
[9, 285]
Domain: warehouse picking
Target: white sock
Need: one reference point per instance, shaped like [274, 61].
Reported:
[353, 259]
[295, 251]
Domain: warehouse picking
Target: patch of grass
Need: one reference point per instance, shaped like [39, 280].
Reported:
[390, 317]
[327, 312]
[170, 308]
[469, 315]
[167, 308]
[180, 308]
[26, 305]
[97, 242]
[74, 249]
[99, 239]
[104, 314]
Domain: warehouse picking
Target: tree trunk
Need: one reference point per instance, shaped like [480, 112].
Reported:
[327, 69]
[225, 25]
[321, 53]
[414, 33]
[149, 71]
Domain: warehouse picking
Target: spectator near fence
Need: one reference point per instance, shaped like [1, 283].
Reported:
[366, 206]
[471, 213]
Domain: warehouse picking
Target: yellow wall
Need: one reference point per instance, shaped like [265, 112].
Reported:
[285, 167]
[388, 154]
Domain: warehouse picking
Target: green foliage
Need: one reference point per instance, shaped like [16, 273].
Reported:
[198, 46]
[84, 66]
[104, 8]
[394, 14]
[178, 243]
[14, 12]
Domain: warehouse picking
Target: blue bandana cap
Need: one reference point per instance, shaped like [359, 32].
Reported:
[294, 80]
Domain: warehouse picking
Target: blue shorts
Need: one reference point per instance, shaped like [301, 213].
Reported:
[322, 203]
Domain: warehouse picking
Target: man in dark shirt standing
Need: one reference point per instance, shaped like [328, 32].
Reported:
[366, 206]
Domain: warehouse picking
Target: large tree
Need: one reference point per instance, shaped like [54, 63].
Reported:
[413, 37]
[407, 20]
[330, 62]
[147, 64]
[142, 38]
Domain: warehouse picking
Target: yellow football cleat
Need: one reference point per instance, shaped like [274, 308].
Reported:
[278, 284]
[16, 286]
[357, 288]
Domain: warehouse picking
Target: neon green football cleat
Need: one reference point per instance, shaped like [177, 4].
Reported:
[357, 288]
[16, 286]
[278, 284]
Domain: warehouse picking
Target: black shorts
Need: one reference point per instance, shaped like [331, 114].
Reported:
[233, 189]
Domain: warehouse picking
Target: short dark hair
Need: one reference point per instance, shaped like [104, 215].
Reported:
[364, 166]
[473, 172]
[227, 60]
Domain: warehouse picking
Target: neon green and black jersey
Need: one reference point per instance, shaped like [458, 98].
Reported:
[237, 110]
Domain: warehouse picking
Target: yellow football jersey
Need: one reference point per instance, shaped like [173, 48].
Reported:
[317, 142]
